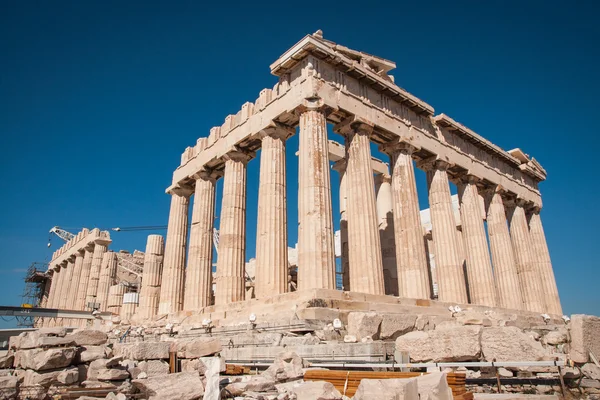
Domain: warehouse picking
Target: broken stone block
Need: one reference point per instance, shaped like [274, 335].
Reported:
[387, 389]
[112, 374]
[8, 387]
[285, 368]
[191, 365]
[88, 337]
[504, 373]
[361, 324]
[557, 337]
[7, 361]
[178, 386]
[254, 384]
[154, 367]
[434, 386]
[591, 371]
[585, 337]
[459, 343]
[200, 347]
[142, 351]
[317, 390]
[68, 377]
[90, 353]
[350, 339]
[396, 325]
[510, 344]
[54, 341]
[39, 360]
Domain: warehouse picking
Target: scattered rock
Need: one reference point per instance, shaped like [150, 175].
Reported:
[90, 353]
[396, 325]
[200, 347]
[361, 324]
[387, 389]
[510, 344]
[39, 360]
[112, 396]
[254, 384]
[154, 367]
[350, 339]
[142, 351]
[7, 361]
[585, 337]
[88, 337]
[317, 390]
[54, 341]
[193, 365]
[557, 337]
[8, 387]
[504, 373]
[459, 343]
[112, 374]
[591, 371]
[286, 367]
[300, 340]
[434, 386]
[68, 377]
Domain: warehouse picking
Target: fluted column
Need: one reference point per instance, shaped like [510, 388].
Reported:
[86, 267]
[108, 273]
[316, 256]
[541, 257]
[366, 266]
[271, 232]
[529, 277]
[100, 248]
[173, 279]
[482, 288]
[231, 283]
[68, 286]
[451, 279]
[340, 167]
[198, 278]
[51, 296]
[385, 206]
[503, 256]
[151, 280]
[411, 261]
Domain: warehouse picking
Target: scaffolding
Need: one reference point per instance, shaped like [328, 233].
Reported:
[33, 292]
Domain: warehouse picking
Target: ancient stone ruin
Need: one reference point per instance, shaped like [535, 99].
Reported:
[464, 290]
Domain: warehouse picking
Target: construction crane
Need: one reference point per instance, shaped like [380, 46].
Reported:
[61, 233]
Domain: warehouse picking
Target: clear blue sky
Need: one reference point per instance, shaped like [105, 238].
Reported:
[99, 98]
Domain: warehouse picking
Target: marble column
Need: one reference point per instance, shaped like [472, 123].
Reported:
[51, 296]
[411, 261]
[151, 280]
[529, 277]
[68, 286]
[198, 277]
[173, 278]
[451, 279]
[75, 279]
[482, 288]
[340, 167]
[316, 256]
[366, 265]
[271, 232]
[541, 257]
[115, 298]
[231, 282]
[503, 257]
[100, 248]
[108, 274]
[86, 268]
[385, 213]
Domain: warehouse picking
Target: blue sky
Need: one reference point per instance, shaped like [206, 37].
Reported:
[98, 99]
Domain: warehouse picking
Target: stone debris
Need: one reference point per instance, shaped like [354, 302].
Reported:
[178, 386]
[362, 324]
[448, 344]
[285, 368]
[387, 389]
[510, 344]
[585, 337]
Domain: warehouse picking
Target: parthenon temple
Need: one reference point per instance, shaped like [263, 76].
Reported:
[489, 248]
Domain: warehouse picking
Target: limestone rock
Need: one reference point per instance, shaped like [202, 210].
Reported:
[199, 347]
[179, 386]
[112, 374]
[254, 384]
[434, 386]
[88, 337]
[154, 367]
[350, 339]
[39, 360]
[396, 325]
[54, 341]
[299, 340]
[459, 343]
[557, 337]
[504, 373]
[142, 351]
[193, 365]
[68, 377]
[361, 324]
[585, 337]
[112, 396]
[510, 344]
[387, 389]
[285, 368]
[90, 353]
[7, 361]
[317, 390]
[8, 387]
[591, 371]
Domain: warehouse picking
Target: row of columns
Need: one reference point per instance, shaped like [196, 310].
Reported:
[514, 271]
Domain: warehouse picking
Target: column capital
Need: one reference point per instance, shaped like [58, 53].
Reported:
[180, 190]
[433, 162]
[354, 125]
[340, 165]
[278, 131]
[468, 178]
[312, 104]
[381, 178]
[239, 154]
[207, 174]
[396, 146]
